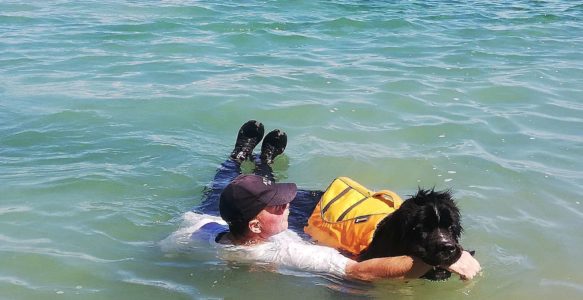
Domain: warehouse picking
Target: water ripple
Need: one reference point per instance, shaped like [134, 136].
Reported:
[52, 252]
[115, 115]
[162, 284]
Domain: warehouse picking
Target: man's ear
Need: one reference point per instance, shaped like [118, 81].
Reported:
[255, 226]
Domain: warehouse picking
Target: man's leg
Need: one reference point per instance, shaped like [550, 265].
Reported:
[248, 137]
[273, 145]
[228, 170]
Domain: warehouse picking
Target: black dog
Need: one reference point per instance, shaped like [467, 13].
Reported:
[427, 226]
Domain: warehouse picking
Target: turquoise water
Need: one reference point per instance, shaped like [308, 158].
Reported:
[114, 116]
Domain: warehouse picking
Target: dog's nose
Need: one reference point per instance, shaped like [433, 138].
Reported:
[448, 248]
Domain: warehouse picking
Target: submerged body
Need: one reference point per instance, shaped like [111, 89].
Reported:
[283, 251]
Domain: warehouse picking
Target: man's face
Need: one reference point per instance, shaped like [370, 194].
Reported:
[273, 219]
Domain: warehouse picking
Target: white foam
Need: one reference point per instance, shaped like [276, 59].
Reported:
[180, 239]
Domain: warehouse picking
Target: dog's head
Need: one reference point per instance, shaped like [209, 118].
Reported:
[431, 227]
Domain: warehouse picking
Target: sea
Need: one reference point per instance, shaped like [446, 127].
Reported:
[115, 115]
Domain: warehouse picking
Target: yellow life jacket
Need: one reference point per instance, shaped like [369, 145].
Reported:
[348, 213]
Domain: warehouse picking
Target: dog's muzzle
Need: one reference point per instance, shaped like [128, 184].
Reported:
[442, 250]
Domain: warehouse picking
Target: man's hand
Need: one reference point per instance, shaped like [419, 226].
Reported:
[467, 266]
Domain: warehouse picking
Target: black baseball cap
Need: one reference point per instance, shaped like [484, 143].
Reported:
[248, 194]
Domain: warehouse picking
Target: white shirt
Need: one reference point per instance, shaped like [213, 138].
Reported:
[285, 250]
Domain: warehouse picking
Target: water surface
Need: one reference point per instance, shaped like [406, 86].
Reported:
[114, 116]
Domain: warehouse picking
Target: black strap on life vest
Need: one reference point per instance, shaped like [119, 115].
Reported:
[335, 199]
[351, 208]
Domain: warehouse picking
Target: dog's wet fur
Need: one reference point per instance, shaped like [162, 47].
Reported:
[427, 226]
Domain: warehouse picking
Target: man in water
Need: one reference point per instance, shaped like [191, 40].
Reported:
[256, 211]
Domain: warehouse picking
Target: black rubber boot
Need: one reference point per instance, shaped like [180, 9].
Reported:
[249, 136]
[273, 145]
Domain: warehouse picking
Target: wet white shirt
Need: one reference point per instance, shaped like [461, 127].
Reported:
[286, 250]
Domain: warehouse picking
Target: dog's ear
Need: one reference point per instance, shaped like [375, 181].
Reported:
[447, 200]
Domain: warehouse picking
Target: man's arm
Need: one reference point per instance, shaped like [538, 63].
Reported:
[387, 267]
[407, 267]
